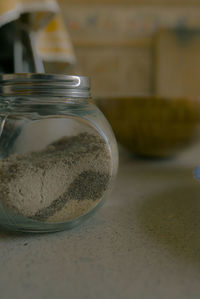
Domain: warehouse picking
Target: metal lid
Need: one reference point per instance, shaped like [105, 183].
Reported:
[44, 85]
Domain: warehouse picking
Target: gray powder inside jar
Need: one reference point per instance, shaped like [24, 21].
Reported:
[59, 183]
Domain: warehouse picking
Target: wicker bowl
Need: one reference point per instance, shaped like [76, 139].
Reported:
[153, 126]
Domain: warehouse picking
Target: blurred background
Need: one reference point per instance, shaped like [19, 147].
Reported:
[126, 47]
[143, 58]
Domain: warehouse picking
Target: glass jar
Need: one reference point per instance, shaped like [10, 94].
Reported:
[58, 154]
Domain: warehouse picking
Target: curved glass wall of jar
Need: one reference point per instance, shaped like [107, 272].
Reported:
[58, 159]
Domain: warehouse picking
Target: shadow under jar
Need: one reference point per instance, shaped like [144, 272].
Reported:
[58, 154]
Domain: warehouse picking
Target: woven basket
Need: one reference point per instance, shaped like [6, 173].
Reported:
[153, 127]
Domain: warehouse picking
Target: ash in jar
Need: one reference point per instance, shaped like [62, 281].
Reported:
[62, 182]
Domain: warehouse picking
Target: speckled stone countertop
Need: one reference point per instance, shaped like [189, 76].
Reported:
[143, 243]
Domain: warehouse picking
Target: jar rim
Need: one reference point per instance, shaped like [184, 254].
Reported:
[44, 84]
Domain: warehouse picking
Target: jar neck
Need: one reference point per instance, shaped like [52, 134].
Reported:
[51, 104]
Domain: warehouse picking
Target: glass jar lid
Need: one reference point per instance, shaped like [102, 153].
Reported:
[44, 85]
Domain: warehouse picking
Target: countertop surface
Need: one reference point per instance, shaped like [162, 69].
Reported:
[143, 243]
